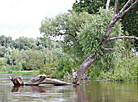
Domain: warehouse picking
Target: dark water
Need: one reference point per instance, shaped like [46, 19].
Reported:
[88, 91]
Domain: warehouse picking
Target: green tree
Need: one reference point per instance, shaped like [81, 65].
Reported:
[96, 43]
[67, 25]
[129, 20]
[25, 43]
[83, 33]
[90, 6]
[2, 51]
[6, 41]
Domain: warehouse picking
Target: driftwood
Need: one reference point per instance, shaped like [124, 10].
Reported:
[35, 81]
[16, 81]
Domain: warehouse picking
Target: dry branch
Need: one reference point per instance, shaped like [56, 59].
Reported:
[107, 4]
[16, 81]
[123, 37]
[115, 8]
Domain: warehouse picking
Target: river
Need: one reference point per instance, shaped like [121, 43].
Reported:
[87, 91]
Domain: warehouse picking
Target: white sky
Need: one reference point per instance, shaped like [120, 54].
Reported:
[23, 17]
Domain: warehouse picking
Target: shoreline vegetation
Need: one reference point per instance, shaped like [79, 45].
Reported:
[8, 72]
[46, 58]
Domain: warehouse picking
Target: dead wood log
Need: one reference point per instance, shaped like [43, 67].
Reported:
[54, 81]
[17, 81]
[35, 81]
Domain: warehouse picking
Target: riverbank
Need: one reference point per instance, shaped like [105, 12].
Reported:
[31, 71]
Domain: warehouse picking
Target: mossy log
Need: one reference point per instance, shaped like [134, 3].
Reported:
[37, 80]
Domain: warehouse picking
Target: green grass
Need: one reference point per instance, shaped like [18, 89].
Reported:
[19, 72]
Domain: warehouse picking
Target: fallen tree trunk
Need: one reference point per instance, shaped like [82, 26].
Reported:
[35, 81]
[54, 81]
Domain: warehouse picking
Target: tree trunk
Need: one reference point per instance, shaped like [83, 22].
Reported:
[83, 68]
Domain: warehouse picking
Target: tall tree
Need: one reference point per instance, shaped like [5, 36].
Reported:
[83, 30]
[75, 43]
[92, 57]
[64, 25]
[6, 41]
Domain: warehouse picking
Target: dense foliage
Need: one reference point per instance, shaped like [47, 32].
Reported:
[66, 25]
[82, 34]
[129, 20]
[27, 53]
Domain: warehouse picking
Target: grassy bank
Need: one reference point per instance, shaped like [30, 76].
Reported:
[6, 72]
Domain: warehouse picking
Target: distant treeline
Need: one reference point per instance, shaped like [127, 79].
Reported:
[28, 53]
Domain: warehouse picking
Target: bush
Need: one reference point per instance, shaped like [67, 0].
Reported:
[45, 70]
[11, 68]
[57, 74]
[120, 74]
[3, 62]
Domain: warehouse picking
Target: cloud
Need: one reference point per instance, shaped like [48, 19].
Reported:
[23, 17]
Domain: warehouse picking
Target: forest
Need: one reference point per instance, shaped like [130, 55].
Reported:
[82, 29]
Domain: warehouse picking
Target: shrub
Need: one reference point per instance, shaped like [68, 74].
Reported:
[57, 74]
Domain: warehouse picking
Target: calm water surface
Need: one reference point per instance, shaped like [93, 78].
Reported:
[88, 91]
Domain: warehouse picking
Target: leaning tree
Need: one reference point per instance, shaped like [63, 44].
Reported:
[92, 57]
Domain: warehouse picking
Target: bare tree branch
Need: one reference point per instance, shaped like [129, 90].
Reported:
[115, 8]
[107, 4]
[130, 7]
[116, 18]
[111, 49]
[123, 37]
[124, 6]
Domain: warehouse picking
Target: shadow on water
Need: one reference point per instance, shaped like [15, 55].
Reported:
[78, 95]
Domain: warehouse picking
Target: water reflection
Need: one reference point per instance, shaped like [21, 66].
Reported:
[78, 95]
[90, 91]
[17, 89]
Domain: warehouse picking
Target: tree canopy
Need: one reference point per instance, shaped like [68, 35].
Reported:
[129, 20]
[66, 25]
[83, 33]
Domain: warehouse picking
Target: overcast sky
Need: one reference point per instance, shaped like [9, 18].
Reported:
[23, 17]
